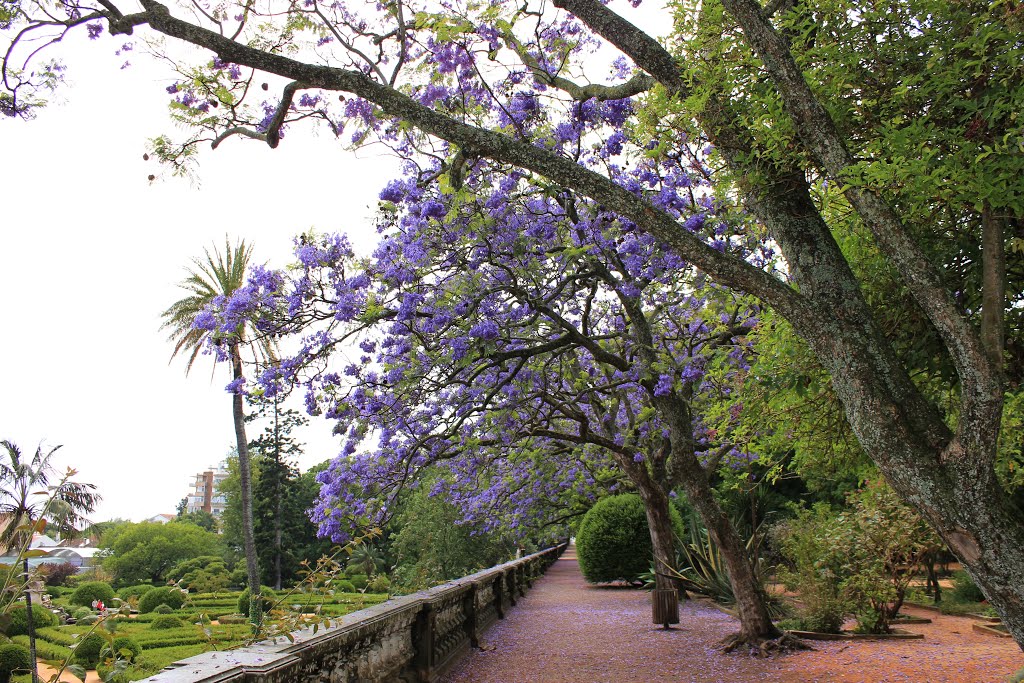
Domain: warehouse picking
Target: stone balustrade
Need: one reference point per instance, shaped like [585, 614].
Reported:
[410, 638]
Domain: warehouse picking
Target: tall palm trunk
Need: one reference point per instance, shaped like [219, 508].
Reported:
[245, 475]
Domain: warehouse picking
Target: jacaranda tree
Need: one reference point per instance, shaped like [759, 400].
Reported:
[813, 113]
[502, 330]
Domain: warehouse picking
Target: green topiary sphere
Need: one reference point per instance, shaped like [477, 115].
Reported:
[123, 647]
[87, 650]
[41, 618]
[89, 591]
[265, 593]
[165, 621]
[614, 541]
[171, 597]
[13, 657]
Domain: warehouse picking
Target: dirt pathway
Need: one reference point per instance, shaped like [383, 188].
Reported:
[565, 631]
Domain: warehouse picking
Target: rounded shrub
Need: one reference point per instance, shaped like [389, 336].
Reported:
[379, 584]
[81, 613]
[243, 600]
[87, 650]
[150, 600]
[165, 621]
[123, 647]
[614, 541]
[90, 591]
[344, 586]
[41, 618]
[13, 658]
[137, 591]
[359, 581]
[106, 673]
[162, 609]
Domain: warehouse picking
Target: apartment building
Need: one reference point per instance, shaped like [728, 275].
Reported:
[204, 495]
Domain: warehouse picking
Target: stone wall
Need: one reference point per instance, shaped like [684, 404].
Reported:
[411, 638]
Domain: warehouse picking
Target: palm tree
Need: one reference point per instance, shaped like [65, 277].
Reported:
[27, 499]
[220, 275]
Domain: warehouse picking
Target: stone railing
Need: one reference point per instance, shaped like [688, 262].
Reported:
[410, 638]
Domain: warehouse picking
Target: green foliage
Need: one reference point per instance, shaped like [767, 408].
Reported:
[87, 649]
[81, 613]
[265, 593]
[614, 543]
[166, 621]
[857, 560]
[18, 625]
[344, 586]
[964, 588]
[163, 609]
[122, 647]
[13, 657]
[201, 518]
[431, 546]
[205, 574]
[359, 581]
[144, 552]
[172, 597]
[136, 591]
[379, 584]
[91, 591]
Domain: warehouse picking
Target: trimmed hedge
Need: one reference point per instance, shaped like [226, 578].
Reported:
[13, 657]
[614, 540]
[41, 618]
[150, 600]
[266, 594]
[166, 621]
[89, 591]
[87, 650]
[123, 647]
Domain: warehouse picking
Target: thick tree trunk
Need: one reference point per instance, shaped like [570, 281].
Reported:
[755, 622]
[245, 477]
[663, 541]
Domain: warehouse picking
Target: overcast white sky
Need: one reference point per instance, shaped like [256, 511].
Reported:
[90, 254]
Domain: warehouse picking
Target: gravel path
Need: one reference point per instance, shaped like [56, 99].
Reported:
[565, 631]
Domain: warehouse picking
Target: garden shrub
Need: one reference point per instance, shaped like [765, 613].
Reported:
[88, 620]
[164, 595]
[123, 647]
[964, 588]
[163, 609]
[41, 618]
[379, 584]
[90, 591]
[109, 674]
[136, 591]
[359, 581]
[166, 621]
[87, 649]
[855, 560]
[13, 657]
[57, 574]
[614, 542]
[265, 593]
[232, 619]
[81, 613]
[344, 586]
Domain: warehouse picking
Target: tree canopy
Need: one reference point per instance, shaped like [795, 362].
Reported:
[897, 123]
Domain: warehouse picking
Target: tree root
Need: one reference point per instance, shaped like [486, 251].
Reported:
[763, 647]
